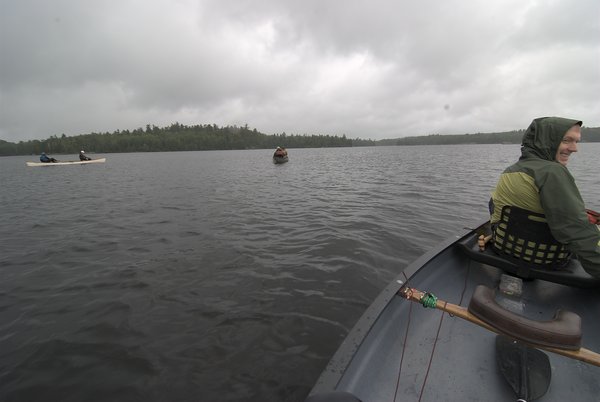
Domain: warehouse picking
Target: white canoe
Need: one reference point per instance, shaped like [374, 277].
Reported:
[100, 160]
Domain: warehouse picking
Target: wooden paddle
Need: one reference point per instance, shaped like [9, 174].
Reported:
[426, 299]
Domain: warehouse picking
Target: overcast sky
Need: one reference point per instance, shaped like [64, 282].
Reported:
[365, 68]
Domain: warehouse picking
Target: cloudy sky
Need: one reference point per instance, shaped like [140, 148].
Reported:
[365, 68]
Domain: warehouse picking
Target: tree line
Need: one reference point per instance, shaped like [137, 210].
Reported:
[176, 137]
[588, 134]
[179, 137]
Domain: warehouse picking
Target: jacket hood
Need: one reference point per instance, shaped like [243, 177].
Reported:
[543, 136]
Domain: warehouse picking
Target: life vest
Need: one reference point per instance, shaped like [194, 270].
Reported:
[526, 235]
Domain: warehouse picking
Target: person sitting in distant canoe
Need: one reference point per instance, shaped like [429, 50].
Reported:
[83, 156]
[46, 159]
[280, 151]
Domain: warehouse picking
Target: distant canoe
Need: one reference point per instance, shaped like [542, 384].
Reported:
[280, 159]
[100, 160]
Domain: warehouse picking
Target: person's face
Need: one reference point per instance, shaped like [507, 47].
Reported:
[568, 145]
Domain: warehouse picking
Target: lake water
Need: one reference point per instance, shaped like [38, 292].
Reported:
[218, 276]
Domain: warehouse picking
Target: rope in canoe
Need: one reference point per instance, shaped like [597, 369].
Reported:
[428, 300]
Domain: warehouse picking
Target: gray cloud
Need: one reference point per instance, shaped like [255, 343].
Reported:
[369, 69]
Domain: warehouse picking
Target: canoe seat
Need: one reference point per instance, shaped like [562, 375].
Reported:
[563, 331]
[570, 274]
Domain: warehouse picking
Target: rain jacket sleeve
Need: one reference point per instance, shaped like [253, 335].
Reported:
[565, 212]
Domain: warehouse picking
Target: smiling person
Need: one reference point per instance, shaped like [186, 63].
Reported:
[541, 183]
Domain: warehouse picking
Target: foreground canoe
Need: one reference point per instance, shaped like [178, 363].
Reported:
[400, 351]
[100, 160]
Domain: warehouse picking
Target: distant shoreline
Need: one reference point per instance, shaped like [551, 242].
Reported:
[208, 137]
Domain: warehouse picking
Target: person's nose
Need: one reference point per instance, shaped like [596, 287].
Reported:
[573, 147]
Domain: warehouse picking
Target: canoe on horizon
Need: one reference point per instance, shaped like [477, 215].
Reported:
[280, 159]
[63, 163]
[452, 351]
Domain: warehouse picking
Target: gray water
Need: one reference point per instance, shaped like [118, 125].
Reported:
[218, 276]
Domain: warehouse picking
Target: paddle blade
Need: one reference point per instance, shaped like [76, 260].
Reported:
[526, 369]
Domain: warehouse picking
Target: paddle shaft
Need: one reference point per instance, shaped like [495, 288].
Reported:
[584, 355]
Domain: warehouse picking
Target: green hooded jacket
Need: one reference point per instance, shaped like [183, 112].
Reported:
[538, 183]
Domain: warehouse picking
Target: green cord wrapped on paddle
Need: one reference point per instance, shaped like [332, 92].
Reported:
[428, 300]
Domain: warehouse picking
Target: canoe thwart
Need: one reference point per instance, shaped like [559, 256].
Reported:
[563, 331]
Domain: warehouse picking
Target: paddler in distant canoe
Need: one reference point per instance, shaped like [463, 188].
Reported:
[46, 159]
[280, 152]
[83, 156]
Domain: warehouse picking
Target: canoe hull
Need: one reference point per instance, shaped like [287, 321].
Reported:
[401, 351]
[35, 164]
[280, 159]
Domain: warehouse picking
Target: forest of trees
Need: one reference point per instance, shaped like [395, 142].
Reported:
[509, 137]
[178, 137]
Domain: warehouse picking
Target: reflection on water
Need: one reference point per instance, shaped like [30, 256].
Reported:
[217, 275]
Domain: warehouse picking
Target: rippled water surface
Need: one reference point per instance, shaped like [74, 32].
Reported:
[218, 276]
